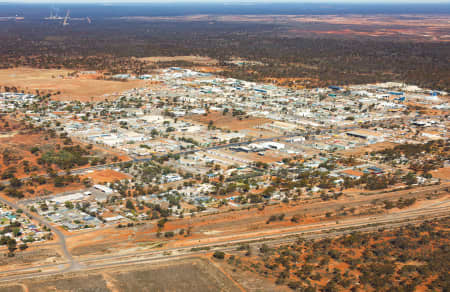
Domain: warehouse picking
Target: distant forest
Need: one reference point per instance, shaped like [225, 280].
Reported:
[111, 44]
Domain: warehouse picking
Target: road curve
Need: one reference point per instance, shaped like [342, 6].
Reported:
[73, 264]
[371, 223]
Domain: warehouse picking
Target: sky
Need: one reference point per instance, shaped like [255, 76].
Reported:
[225, 1]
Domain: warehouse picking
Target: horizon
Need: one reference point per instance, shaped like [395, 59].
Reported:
[115, 8]
[234, 2]
[224, 145]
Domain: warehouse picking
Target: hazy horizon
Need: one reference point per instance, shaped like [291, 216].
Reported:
[116, 8]
[229, 1]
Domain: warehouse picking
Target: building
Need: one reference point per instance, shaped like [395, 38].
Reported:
[104, 189]
[351, 173]
[273, 145]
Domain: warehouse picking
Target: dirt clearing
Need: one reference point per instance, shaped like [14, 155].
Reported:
[442, 173]
[192, 59]
[195, 274]
[358, 151]
[228, 121]
[69, 88]
[106, 175]
[190, 275]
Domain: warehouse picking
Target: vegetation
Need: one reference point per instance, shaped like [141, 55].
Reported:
[66, 158]
[403, 259]
[413, 154]
[319, 62]
[219, 255]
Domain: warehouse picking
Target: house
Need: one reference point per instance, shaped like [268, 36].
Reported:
[198, 111]
[103, 188]
[371, 136]
[179, 113]
[70, 198]
[351, 173]
[114, 218]
[273, 145]
[375, 170]
[171, 178]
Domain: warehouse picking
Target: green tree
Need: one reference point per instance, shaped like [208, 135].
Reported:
[219, 255]
[129, 205]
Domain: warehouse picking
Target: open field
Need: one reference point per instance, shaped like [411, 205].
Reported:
[228, 121]
[33, 255]
[362, 150]
[412, 27]
[106, 175]
[418, 27]
[69, 88]
[195, 274]
[192, 59]
[442, 173]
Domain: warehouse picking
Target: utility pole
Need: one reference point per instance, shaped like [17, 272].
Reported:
[65, 23]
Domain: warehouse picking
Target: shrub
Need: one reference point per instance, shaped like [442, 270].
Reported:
[219, 255]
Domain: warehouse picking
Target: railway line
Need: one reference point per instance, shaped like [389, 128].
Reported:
[272, 237]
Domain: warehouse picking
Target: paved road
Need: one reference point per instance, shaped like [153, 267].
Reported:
[191, 151]
[434, 210]
[73, 264]
[118, 164]
[259, 140]
[371, 223]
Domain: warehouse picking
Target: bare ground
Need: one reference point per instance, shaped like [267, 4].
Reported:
[70, 88]
[194, 274]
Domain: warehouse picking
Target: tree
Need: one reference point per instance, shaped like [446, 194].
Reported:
[169, 234]
[264, 248]
[295, 219]
[15, 182]
[16, 231]
[34, 149]
[11, 192]
[58, 181]
[87, 182]
[129, 205]
[12, 245]
[410, 179]
[219, 255]
[161, 222]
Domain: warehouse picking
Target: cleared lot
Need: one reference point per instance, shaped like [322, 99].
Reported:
[196, 274]
[69, 88]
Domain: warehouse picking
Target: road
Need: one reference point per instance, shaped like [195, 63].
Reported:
[277, 236]
[73, 264]
[282, 236]
[137, 160]
[146, 159]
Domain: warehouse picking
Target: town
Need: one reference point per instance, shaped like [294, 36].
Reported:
[196, 143]
[224, 146]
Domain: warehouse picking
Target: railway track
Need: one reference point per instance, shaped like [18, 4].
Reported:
[368, 224]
